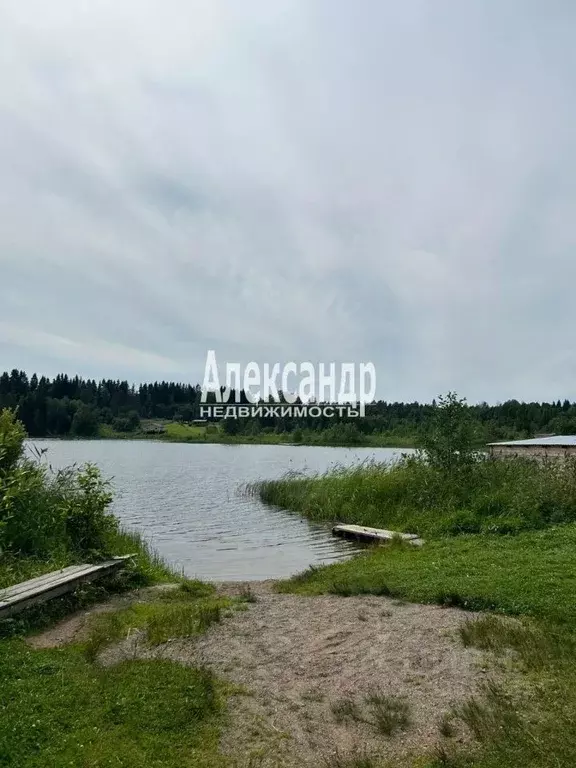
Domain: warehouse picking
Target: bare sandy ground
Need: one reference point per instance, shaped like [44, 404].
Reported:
[292, 660]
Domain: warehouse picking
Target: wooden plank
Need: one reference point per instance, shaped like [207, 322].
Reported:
[31, 590]
[377, 533]
[46, 579]
[40, 581]
[61, 582]
[66, 580]
[53, 577]
[365, 533]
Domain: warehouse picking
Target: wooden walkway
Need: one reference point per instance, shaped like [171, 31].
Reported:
[20, 596]
[374, 535]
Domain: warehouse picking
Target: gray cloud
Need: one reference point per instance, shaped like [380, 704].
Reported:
[289, 181]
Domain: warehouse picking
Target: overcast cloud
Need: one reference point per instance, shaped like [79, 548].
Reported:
[291, 180]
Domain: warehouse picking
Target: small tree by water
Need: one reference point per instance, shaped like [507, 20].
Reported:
[450, 440]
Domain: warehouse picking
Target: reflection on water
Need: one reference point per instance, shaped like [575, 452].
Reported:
[185, 500]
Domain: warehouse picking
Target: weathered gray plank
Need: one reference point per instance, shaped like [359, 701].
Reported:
[26, 589]
[365, 533]
[34, 591]
[40, 581]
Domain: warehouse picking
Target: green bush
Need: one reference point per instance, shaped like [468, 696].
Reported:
[89, 526]
[128, 423]
[343, 434]
[45, 513]
[12, 436]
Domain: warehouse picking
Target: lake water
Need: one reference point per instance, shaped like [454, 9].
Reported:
[185, 499]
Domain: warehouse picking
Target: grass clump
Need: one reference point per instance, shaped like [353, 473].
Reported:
[533, 644]
[386, 714]
[446, 726]
[346, 710]
[490, 714]
[247, 595]
[182, 621]
[185, 611]
[389, 713]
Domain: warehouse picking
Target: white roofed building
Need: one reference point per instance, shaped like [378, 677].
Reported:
[553, 446]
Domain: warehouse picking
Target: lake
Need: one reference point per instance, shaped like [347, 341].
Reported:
[185, 499]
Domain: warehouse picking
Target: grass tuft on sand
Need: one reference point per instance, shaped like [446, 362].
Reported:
[186, 611]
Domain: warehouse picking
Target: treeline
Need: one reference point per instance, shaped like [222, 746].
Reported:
[72, 405]
[69, 405]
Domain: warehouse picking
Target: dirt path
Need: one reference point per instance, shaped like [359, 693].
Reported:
[299, 662]
[72, 629]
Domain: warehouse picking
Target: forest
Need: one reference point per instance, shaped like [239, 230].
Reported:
[77, 407]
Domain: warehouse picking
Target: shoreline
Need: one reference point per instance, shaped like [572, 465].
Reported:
[408, 445]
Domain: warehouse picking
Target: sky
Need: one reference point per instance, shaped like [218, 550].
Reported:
[297, 180]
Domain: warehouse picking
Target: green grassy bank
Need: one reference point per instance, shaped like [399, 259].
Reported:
[532, 573]
[58, 709]
[59, 706]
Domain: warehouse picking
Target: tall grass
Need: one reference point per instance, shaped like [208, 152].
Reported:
[488, 496]
[447, 488]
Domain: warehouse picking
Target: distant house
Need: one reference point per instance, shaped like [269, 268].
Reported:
[153, 429]
[552, 446]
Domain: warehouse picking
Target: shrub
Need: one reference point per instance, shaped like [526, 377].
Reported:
[85, 501]
[12, 435]
[343, 434]
[43, 513]
[85, 422]
[128, 423]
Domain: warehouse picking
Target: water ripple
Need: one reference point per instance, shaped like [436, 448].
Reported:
[185, 499]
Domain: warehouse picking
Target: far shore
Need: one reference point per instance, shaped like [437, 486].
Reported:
[180, 433]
